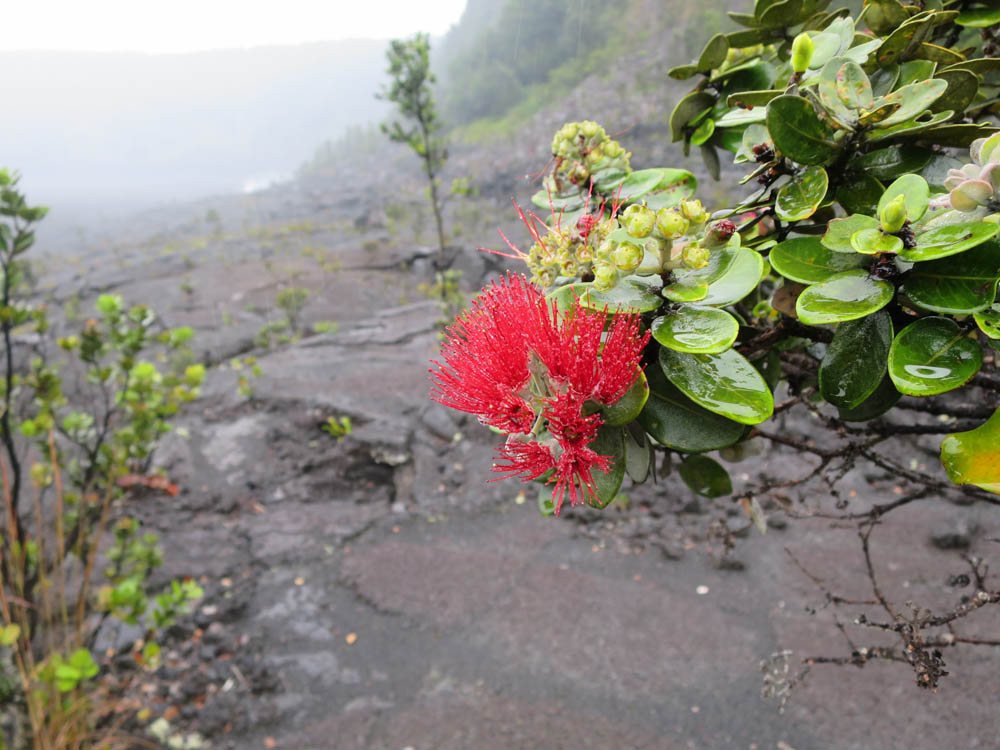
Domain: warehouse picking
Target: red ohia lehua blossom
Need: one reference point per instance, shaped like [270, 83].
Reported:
[540, 376]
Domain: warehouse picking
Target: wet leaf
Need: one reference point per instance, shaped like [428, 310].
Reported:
[806, 260]
[949, 240]
[629, 405]
[915, 192]
[696, 329]
[973, 457]
[944, 286]
[856, 360]
[931, 356]
[839, 232]
[725, 383]
[741, 279]
[800, 198]
[798, 132]
[846, 296]
[705, 476]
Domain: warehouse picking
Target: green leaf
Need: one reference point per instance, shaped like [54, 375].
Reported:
[884, 398]
[677, 422]
[629, 295]
[949, 240]
[860, 193]
[853, 87]
[807, 261]
[711, 158]
[959, 135]
[683, 72]
[638, 183]
[979, 18]
[570, 202]
[675, 185]
[798, 132]
[931, 356]
[714, 54]
[638, 454]
[696, 329]
[973, 457]
[725, 383]
[962, 89]
[691, 284]
[856, 360]
[893, 161]
[687, 109]
[845, 296]
[703, 132]
[9, 634]
[910, 128]
[629, 405]
[610, 441]
[741, 279]
[915, 192]
[839, 232]
[705, 476]
[800, 198]
[875, 241]
[753, 98]
[959, 288]
[989, 322]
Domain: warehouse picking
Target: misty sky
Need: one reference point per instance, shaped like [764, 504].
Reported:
[190, 25]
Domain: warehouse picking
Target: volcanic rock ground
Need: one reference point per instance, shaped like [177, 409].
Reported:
[378, 592]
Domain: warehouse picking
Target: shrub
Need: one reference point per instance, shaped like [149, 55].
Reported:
[857, 278]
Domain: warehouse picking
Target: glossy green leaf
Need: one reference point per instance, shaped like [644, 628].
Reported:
[860, 193]
[931, 356]
[628, 295]
[875, 242]
[683, 72]
[753, 98]
[949, 240]
[629, 405]
[845, 296]
[610, 441]
[839, 232]
[947, 286]
[800, 198]
[741, 279]
[798, 132]
[705, 476]
[696, 329]
[807, 261]
[979, 18]
[959, 135]
[856, 360]
[893, 161]
[725, 383]
[677, 422]
[569, 202]
[691, 284]
[915, 192]
[989, 322]
[973, 457]
[884, 398]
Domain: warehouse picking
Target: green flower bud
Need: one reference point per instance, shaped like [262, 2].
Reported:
[696, 256]
[694, 212]
[670, 223]
[628, 256]
[802, 52]
[893, 215]
[605, 278]
[638, 221]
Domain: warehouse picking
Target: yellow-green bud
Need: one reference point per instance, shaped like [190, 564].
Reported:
[802, 52]
[670, 223]
[719, 234]
[694, 212]
[638, 221]
[893, 215]
[605, 278]
[628, 256]
[696, 256]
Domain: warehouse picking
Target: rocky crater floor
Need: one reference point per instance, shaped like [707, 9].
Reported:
[378, 592]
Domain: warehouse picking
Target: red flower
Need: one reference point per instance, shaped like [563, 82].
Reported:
[539, 376]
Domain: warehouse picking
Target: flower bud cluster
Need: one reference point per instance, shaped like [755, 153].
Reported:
[568, 252]
[974, 187]
[580, 149]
